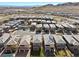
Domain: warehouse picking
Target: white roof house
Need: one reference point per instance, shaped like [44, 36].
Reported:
[54, 22]
[65, 25]
[52, 26]
[59, 26]
[72, 26]
[39, 26]
[43, 21]
[37, 42]
[33, 24]
[47, 40]
[59, 39]
[70, 39]
[46, 26]
[48, 22]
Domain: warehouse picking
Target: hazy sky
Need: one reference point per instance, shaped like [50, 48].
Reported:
[27, 3]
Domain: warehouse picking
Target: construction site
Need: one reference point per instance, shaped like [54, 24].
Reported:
[39, 36]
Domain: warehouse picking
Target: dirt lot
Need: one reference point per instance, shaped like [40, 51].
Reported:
[4, 17]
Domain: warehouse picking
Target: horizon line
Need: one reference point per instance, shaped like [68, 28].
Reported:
[26, 4]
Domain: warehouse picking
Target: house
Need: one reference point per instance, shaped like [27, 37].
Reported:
[38, 28]
[66, 27]
[49, 22]
[73, 28]
[48, 45]
[53, 22]
[52, 27]
[36, 44]
[39, 21]
[33, 26]
[59, 42]
[5, 28]
[34, 20]
[43, 21]
[46, 28]
[72, 44]
[59, 28]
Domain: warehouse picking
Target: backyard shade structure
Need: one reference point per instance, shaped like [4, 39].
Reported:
[13, 44]
[71, 43]
[3, 40]
[48, 44]
[59, 42]
[25, 43]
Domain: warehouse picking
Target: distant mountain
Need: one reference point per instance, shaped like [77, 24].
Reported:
[64, 4]
[69, 4]
[68, 7]
[49, 5]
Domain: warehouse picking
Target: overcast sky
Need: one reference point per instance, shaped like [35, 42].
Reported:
[27, 3]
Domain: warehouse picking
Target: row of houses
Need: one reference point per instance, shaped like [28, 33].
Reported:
[48, 17]
[16, 45]
[59, 27]
[5, 27]
[38, 25]
[40, 21]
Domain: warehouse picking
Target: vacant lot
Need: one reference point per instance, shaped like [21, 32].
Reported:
[4, 17]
